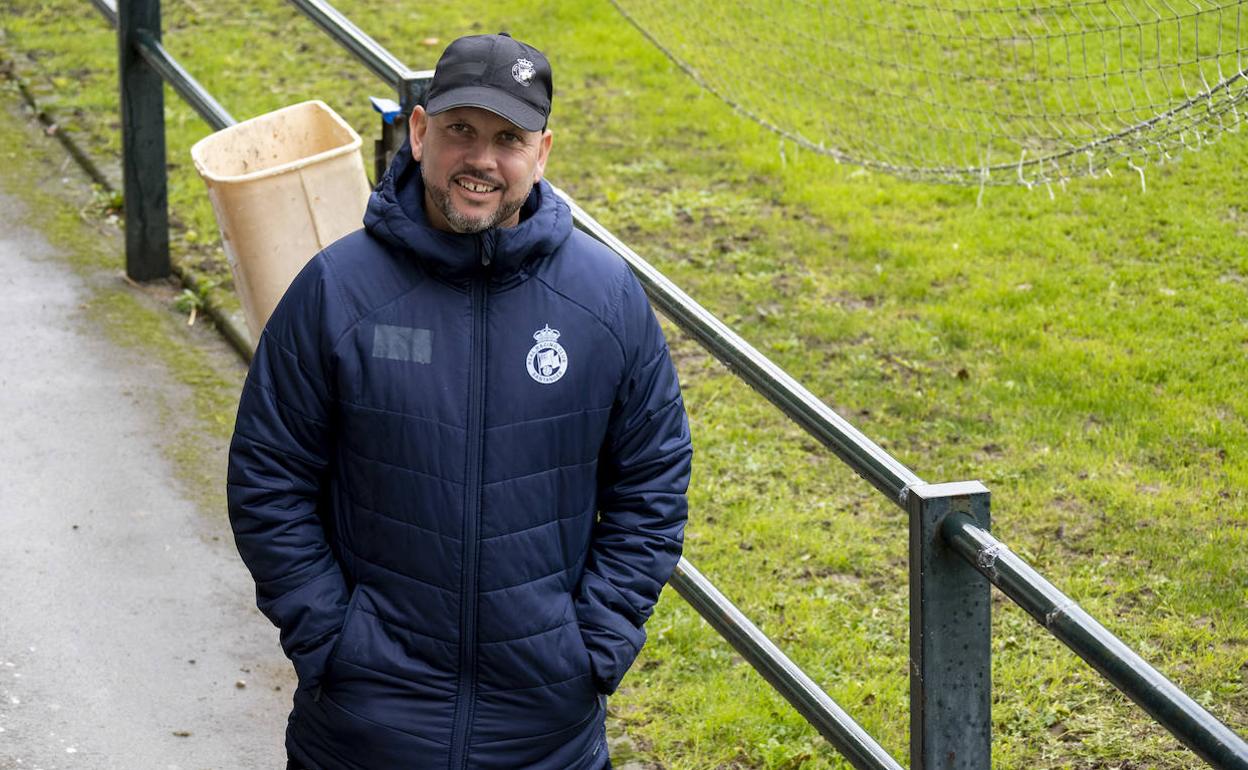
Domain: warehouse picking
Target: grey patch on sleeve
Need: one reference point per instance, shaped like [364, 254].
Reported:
[403, 343]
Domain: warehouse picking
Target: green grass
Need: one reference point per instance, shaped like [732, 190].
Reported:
[1082, 352]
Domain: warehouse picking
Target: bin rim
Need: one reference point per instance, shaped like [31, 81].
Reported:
[198, 148]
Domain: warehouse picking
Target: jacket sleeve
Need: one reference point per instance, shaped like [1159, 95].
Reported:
[643, 475]
[278, 458]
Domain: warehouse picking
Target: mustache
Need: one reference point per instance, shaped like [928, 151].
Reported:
[480, 176]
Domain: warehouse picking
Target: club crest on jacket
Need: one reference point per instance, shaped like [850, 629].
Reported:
[547, 360]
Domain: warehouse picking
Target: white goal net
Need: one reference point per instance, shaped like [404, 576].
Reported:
[969, 91]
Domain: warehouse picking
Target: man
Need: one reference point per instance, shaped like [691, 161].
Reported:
[459, 468]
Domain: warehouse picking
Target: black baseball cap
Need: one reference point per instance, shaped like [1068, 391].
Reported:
[495, 73]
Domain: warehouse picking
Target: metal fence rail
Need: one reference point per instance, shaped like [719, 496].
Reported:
[187, 87]
[108, 8]
[371, 54]
[783, 674]
[860, 453]
[1061, 616]
[952, 555]
[409, 85]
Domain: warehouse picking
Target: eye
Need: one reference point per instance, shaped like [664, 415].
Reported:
[459, 128]
[509, 137]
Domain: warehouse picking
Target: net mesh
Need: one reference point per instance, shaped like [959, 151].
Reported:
[968, 91]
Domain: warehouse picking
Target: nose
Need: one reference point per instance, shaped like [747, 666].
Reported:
[481, 155]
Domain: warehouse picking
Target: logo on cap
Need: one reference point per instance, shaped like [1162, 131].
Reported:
[523, 71]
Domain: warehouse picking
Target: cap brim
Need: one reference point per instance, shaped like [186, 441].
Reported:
[498, 102]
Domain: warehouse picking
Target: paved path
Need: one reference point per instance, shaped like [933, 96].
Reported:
[126, 618]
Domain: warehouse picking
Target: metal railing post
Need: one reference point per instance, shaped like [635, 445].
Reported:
[411, 90]
[385, 147]
[1169, 706]
[950, 635]
[145, 186]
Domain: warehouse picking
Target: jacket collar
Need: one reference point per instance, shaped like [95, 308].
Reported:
[396, 215]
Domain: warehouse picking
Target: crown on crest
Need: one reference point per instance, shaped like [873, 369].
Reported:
[546, 334]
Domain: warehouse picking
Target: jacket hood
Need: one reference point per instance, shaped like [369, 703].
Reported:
[396, 216]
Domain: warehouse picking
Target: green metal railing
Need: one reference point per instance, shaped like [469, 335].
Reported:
[953, 558]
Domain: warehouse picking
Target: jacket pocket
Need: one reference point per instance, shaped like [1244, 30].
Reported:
[352, 603]
[583, 658]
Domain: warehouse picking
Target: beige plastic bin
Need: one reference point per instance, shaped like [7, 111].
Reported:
[283, 186]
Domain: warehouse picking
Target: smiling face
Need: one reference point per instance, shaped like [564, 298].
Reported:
[478, 167]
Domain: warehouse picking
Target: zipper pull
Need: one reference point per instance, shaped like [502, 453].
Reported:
[487, 249]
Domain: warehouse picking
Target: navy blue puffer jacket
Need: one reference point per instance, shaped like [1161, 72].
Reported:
[458, 477]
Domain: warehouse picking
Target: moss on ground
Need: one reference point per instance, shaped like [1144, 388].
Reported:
[198, 415]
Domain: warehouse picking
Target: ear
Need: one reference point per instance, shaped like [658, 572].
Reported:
[417, 124]
[543, 152]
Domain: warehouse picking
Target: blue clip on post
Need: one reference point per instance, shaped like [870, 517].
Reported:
[388, 108]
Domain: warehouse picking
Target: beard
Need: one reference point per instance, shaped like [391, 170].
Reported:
[466, 223]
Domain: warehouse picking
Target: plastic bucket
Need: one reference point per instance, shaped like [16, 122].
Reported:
[283, 186]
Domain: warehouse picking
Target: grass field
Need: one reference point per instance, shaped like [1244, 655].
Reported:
[1081, 352]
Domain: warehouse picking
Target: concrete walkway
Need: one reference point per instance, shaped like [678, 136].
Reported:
[128, 636]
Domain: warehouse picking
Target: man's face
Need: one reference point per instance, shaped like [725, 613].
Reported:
[478, 167]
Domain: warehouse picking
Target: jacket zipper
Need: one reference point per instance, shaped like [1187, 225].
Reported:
[466, 695]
